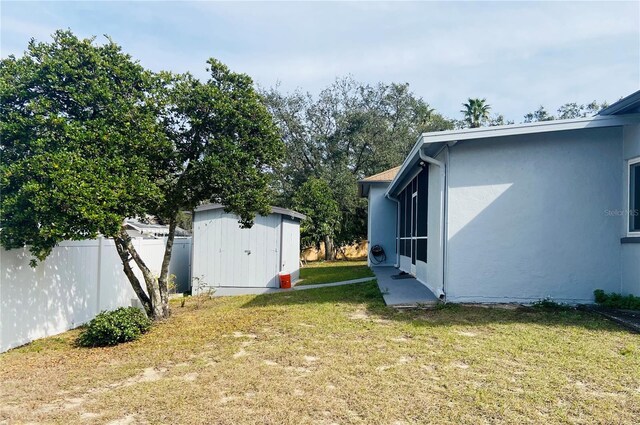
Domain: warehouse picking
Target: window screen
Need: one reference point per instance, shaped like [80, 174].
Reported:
[634, 198]
[423, 185]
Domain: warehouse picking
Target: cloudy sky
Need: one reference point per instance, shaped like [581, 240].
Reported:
[518, 55]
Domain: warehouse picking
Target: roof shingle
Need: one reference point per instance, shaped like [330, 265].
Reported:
[385, 176]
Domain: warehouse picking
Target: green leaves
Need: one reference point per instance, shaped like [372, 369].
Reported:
[314, 199]
[476, 112]
[225, 144]
[349, 131]
[90, 138]
[80, 143]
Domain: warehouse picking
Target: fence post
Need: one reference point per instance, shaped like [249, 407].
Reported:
[100, 239]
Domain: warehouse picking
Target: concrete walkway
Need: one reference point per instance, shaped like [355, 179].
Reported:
[324, 285]
[232, 291]
[402, 292]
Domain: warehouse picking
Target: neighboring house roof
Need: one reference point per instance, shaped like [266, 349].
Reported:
[627, 105]
[385, 176]
[148, 229]
[619, 114]
[137, 234]
[274, 210]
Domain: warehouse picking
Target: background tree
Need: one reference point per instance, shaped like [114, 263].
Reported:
[540, 114]
[90, 138]
[567, 111]
[476, 112]
[349, 131]
[314, 199]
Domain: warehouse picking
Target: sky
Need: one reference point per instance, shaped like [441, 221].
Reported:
[517, 55]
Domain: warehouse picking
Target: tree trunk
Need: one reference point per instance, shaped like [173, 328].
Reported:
[156, 306]
[135, 283]
[329, 254]
[163, 280]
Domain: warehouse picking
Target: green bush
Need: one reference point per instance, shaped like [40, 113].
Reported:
[115, 327]
[613, 300]
[550, 304]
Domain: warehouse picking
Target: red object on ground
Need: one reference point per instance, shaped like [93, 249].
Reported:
[285, 280]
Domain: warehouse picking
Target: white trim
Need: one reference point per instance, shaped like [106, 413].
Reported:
[630, 163]
[529, 128]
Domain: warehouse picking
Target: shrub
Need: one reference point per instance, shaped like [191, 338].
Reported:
[115, 327]
[613, 300]
[550, 304]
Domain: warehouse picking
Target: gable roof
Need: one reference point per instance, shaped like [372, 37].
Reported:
[385, 176]
[626, 105]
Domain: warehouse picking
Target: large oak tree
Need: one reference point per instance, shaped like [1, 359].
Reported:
[350, 130]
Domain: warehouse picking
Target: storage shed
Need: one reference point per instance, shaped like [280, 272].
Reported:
[235, 260]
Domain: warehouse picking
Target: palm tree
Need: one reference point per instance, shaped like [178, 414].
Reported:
[476, 111]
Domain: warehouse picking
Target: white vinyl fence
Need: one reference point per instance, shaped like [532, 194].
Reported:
[77, 281]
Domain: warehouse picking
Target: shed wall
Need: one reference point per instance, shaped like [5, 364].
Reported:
[225, 255]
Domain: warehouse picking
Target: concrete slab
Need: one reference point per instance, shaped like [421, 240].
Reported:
[232, 291]
[324, 285]
[402, 292]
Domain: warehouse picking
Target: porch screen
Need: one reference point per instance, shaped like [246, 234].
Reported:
[423, 192]
[413, 221]
[403, 222]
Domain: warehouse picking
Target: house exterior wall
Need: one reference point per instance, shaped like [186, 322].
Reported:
[75, 282]
[525, 217]
[630, 258]
[225, 255]
[382, 223]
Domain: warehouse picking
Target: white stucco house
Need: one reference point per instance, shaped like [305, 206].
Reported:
[517, 213]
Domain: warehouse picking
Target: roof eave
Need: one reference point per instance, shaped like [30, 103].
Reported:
[630, 102]
[440, 138]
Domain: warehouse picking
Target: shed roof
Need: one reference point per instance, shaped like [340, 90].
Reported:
[274, 210]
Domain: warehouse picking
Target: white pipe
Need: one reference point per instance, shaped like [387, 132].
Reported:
[397, 201]
[443, 181]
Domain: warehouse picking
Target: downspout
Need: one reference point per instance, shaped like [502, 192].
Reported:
[397, 201]
[443, 182]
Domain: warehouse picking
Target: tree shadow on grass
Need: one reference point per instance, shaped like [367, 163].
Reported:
[369, 295]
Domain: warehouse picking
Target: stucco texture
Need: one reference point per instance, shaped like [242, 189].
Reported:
[526, 217]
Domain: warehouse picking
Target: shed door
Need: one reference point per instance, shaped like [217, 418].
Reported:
[259, 253]
[291, 247]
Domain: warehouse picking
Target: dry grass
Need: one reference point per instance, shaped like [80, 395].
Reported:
[334, 355]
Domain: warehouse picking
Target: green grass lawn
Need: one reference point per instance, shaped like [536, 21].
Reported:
[334, 355]
[328, 272]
